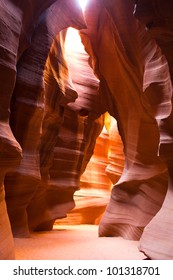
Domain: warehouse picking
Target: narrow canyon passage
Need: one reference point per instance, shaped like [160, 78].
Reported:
[86, 129]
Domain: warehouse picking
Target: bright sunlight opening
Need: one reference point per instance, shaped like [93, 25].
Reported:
[83, 3]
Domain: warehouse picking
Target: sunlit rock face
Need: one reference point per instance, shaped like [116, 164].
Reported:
[104, 169]
[95, 170]
[154, 242]
[95, 185]
[58, 92]
[115, 165]
[76, 138]
[124, 74]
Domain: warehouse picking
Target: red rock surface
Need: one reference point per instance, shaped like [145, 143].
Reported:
[27, 112]
[77, 136]
[54, 103]
[17, 25]
[121, 73]
[154, 239]
[115, 165]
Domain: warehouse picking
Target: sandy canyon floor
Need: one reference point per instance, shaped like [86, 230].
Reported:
[79, 242]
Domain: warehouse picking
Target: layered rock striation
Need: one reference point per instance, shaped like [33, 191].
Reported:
[122, 70]
[54, 101]
[17, 26]
[157, 16]
[28, 31]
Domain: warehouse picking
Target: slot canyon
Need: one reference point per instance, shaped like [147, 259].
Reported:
[86, 128]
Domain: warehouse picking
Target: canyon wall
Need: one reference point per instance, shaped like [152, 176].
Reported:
[157, 16]
[93, 116]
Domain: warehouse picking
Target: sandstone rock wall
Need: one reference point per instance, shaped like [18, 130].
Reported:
[28, 31]
[160, 27]
[16, 28]
[53, 102]
[121, 70]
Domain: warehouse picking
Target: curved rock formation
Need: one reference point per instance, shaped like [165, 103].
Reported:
[157, 15]
[18, 20]
[29, 95]
[63, 164]
[115, 166]
[52, 101]
[18, 23]
[138, 195]
[95, 185]
[28, 108]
